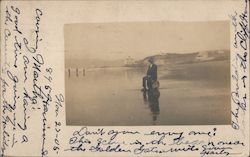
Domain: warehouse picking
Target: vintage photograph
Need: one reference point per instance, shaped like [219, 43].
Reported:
[147, 73]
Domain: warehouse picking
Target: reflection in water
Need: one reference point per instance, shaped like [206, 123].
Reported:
[151, 98]
[116, 92]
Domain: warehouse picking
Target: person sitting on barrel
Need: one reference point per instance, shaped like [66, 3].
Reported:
[150, 80]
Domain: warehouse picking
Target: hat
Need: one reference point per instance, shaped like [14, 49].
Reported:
[151, 59]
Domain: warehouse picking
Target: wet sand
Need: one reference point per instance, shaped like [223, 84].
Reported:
[189, 94]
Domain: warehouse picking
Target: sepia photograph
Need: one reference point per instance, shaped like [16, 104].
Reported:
[147, 73]
[125, 78]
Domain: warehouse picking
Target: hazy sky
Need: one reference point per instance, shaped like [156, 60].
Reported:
[141, 39]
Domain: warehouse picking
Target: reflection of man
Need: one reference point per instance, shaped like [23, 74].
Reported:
[152, 98]
[151, 75]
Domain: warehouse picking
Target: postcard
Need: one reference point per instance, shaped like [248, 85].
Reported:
[125, 78]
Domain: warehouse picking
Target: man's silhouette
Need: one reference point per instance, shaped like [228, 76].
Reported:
[151, 76]
[151, 98]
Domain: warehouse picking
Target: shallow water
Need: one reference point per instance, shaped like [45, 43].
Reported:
[112, 96]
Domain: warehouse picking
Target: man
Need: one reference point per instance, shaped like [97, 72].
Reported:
[151, 75]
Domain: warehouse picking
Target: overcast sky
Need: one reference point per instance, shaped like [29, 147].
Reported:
[141, 39]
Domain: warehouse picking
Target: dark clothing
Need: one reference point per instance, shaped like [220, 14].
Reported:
[152, 72]
[147, 82]
[151, 76]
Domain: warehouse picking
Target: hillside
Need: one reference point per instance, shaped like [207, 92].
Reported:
[160, 59]
[195, 57]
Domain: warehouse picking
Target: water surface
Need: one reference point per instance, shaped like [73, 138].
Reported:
[197, 94]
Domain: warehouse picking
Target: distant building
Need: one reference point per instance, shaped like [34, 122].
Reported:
[204, 56]
[129, 61]
[213, 55]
